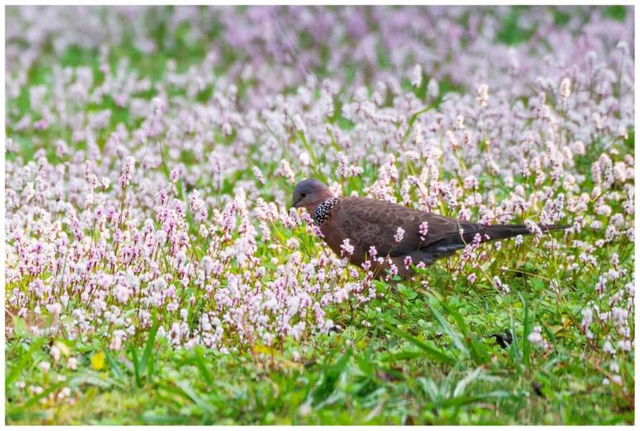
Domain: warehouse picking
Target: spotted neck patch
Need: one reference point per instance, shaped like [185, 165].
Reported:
[323, 211]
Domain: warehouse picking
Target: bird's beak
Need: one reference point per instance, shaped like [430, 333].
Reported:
[295, 204]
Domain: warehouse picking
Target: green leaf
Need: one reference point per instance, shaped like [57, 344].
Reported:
[405, 354]
[14, 373]
[455, 336]
[457, 317]
[462, 384]
[34, 400]
[188, 390]
[526, 323]
[136, 366]
[380, 286]
[415, 116]
[113, 365]
[202, 367]
[408, 293]
[20, 327]
[463, 400]
[479, 350]
[152, 418]
[337, 369]
[94, 379]
[430, 351]
[147, 358]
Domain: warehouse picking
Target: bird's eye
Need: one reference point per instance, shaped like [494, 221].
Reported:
[303, 195]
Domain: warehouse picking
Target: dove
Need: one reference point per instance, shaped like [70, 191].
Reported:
[394, 231]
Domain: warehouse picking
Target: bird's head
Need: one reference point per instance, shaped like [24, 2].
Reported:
[309, 194]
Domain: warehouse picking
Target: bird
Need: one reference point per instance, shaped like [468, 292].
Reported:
[368, 223]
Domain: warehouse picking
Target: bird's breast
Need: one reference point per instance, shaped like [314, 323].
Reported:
[334, 238]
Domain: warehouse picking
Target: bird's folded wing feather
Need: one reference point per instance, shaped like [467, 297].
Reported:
[369, 222]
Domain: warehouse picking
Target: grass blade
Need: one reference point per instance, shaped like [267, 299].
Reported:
[136, 366]
[526, 325]
[455, 336]
[147, 358]
[462, 325]
[415, 116]
[430, 351]
[188, 390]
[113, 364]
[199, 357]
[15, 371]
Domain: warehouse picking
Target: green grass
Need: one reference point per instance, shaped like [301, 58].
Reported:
[418, 356]
[421, 360]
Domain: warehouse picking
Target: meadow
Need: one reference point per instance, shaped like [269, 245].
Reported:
[155, 272]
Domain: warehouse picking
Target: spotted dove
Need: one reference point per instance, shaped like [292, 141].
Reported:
[369, 222]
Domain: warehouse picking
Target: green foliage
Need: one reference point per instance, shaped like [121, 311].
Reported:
[511, 31]
[616, 12]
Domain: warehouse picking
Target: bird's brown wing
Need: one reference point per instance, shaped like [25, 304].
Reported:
[369, 222]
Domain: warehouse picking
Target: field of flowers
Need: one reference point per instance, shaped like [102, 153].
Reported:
[155, 273]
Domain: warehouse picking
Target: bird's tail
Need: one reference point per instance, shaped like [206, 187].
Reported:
[502, 231]
[450, 244]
